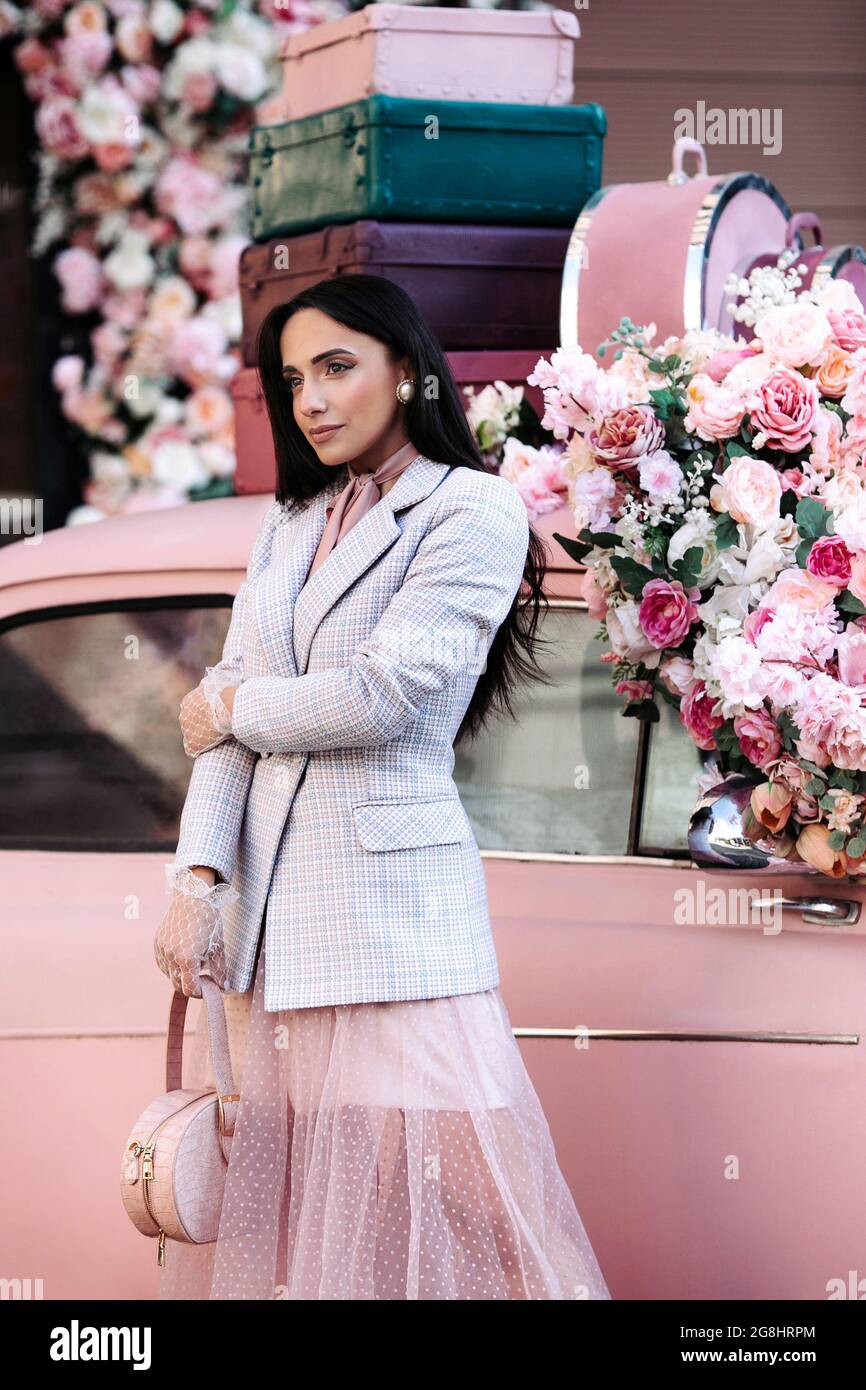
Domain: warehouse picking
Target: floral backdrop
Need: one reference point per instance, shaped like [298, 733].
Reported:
[142, 117]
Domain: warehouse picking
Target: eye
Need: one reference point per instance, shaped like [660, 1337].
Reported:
[346, 366]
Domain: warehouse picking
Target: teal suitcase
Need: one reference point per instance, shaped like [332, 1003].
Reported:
[399, 159]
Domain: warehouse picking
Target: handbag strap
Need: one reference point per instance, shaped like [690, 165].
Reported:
[227, 1097]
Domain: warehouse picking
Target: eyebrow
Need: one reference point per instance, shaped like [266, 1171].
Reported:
[331, 352]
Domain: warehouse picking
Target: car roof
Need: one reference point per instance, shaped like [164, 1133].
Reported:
[216, 534]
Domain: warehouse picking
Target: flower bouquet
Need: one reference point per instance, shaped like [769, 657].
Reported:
[719, 496]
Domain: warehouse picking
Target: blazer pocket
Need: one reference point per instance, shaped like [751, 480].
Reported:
[408, 824]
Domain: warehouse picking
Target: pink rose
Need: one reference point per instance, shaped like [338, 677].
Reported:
[830, 560]
[677, 674]
[721, 363]
[784, 410]
[750, 491]
[849, 328]
[759, 736]
[851, 651]
[755, 621]
[594, 595]
[715, 412]
[624, 436]
[58, 129]
[796, 480]
[857, 582]
[81, 279]
[666, 612]
[795, 335]
[697, 718]
[634, 690]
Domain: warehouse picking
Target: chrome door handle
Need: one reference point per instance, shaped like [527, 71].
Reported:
[837, 910]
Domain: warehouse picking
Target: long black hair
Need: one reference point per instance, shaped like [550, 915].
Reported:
[438, 428]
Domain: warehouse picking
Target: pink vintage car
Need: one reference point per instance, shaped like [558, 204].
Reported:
[704, 1083]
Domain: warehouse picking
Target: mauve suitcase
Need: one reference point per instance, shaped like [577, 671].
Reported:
[399, 160]
[822, 262]
[422, 51]
[255, 468]
[478, 287]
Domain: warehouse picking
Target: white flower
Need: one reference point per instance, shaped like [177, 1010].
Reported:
[851, 523]
[130, 265]
[179, 464]
[241, 72]
[107, 114]
[735, 665]
[166, 20]
[700, 530]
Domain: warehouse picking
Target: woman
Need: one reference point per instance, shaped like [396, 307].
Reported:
[388, 1141]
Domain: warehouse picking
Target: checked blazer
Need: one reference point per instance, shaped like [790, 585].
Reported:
[333, 804]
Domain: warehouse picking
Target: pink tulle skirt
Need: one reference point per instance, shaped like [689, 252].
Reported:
[383, 1151]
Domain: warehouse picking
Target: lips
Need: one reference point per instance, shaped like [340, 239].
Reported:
[324, 432]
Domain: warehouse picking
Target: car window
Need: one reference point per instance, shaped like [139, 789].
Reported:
[559, 778]
[91, 755]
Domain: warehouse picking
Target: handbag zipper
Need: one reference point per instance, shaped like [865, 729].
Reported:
[147, 1173]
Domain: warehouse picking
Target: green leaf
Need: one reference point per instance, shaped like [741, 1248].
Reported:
[606, 539]
[632, 576]
[735, 450]
[836, 839]
[727, 531]
[855, 847]
[645, 710]
[814, 786]
[687, 569]
[813, 520]
[848, 603]
[802, 552]
[577, 550]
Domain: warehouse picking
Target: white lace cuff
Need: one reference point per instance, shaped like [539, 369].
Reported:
[216, 678]
[180, 878]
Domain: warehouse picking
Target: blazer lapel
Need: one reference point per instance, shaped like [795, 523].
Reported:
[294, 545]
[367, 540]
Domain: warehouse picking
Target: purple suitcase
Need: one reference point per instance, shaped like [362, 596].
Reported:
[480, 287]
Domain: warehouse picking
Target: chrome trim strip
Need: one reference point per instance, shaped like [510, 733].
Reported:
[677, 1035]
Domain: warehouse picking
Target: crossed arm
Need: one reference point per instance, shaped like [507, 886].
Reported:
[456, 592]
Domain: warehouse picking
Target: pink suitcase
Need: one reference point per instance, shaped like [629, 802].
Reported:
[416, 51]
[822, 262]
[255, 468]
[661, 252]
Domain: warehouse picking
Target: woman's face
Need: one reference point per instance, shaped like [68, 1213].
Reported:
[343, 388]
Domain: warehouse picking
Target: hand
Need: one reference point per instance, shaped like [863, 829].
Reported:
[189, 940]
[197, 724]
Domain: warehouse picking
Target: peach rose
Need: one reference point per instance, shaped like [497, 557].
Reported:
[834, 373]
[624, 436]
[802, 588]
[797, 335]
[715, 412]
[813, 847]
[750, 491]
[771, 804]
[849, 328]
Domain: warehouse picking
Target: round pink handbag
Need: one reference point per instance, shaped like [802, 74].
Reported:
[174, 1164]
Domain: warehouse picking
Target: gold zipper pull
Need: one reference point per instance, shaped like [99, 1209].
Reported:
[147, 1169]
[160, 1249]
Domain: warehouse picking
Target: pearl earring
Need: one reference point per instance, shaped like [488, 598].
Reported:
[405, 391]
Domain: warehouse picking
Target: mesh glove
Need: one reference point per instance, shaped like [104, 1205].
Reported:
[205, 721]
[189, 940]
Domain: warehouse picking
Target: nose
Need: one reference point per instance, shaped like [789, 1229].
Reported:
[311, 398]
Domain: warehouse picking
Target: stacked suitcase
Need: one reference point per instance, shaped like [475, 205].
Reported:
[436, 147]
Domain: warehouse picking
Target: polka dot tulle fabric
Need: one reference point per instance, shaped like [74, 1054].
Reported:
[384, 1151]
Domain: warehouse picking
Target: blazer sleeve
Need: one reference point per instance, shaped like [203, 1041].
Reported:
[457, 591]
[220, 781]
